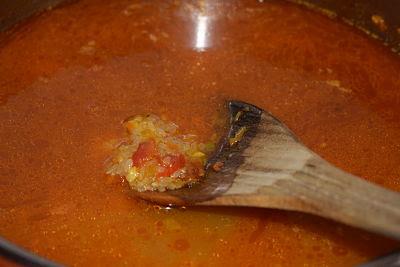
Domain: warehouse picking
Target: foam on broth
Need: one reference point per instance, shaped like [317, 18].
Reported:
[69, 76]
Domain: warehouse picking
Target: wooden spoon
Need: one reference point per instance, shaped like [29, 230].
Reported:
[265, 165]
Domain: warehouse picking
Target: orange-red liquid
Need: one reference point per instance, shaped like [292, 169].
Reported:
[69, 76]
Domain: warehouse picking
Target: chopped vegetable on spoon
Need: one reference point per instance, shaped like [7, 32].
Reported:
[156, 157]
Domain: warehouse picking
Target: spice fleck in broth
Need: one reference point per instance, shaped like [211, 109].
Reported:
[69, 76]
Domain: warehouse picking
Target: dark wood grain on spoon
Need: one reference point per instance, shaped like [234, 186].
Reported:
[269, 167]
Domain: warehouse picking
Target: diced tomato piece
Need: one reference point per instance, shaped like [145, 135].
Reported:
[145, 152]
[171, 164]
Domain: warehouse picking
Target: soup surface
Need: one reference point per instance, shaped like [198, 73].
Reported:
[71, 75]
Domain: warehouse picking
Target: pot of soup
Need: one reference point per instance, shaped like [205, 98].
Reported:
[72, 72]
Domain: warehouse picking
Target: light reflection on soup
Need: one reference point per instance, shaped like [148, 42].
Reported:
[69, 76]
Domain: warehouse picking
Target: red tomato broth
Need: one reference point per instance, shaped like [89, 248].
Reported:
[63, 102]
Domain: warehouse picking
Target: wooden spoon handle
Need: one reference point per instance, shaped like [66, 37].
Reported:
[278, 171]
[322, 189]
[330, 192]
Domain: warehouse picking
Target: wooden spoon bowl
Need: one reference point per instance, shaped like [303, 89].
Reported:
[265, 165]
